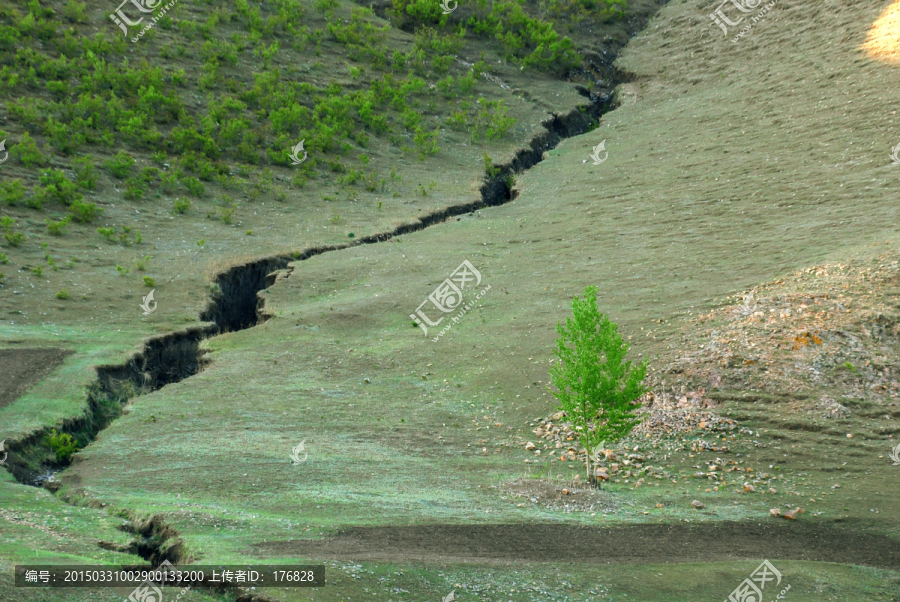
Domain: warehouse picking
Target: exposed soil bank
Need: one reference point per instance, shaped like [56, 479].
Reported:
[165, 359]
[643, 544]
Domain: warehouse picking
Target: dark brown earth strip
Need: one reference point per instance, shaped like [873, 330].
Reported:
[22, 368]
[645, 544]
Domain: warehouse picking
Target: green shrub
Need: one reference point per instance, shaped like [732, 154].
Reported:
[14, 239]
[149, 174]
[120, 166]
[74, 11]
[226, 214]
[134, 190]
[3, 258]
[193, 185]
[12, 191]
[62, 295]
[57, 187]
[106, 233]
[148, 281]
[28, 153]
[426, 143]
[84, 212]
[420, 11]
[181, 206]
[168, 182]
[58, 228]
[85, 176]
[62, 445]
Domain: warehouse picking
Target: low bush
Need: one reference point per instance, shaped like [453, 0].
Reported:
[83, 212]
[62, 445]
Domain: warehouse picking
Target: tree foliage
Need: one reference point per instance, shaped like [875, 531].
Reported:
[596, 384]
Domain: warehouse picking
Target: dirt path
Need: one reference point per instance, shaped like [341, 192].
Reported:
[665, 543]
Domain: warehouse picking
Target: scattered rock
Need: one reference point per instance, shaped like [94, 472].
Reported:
[775, 512]
[530, 446]
[565, 492]
[772, 490]
[698, 504]
[749, 488]
[792, 514]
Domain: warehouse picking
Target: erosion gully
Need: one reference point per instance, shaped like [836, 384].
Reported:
[236, 306]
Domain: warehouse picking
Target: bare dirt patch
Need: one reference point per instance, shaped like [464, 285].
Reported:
[665, 543]
[568, 497]
[22, 368]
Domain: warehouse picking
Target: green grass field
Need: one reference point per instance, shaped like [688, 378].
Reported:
[730, 164]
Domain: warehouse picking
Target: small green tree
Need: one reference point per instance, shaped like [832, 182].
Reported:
[596, 384]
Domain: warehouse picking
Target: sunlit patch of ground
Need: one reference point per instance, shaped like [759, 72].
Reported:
[883, 39]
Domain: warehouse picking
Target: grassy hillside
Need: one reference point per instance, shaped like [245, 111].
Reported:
[730, 164]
